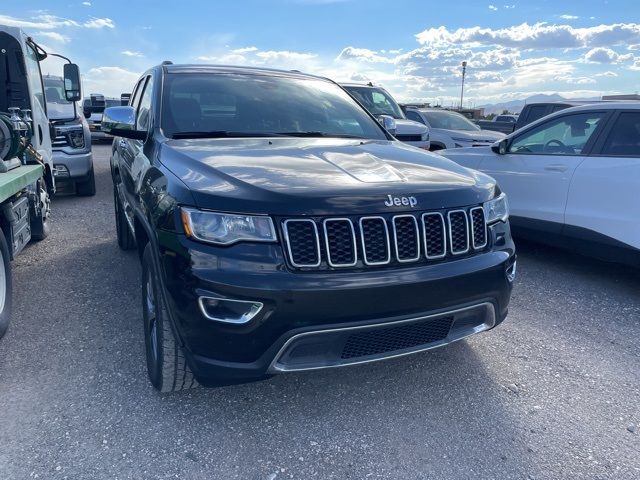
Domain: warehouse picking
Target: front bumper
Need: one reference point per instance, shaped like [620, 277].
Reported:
[298, 305]
[76, 165]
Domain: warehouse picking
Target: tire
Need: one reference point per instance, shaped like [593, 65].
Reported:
[39, 209]
[126, 240]
[6, 289]
[166, 365]
[87, 188]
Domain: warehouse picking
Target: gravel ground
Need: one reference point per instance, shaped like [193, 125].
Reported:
[554, 392]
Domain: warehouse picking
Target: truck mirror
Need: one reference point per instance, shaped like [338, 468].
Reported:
[72, 82]
[121, 122]
[500, 147]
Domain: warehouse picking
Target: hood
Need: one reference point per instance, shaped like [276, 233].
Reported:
[481, 135]
[409, 127]
[318, 176]
[470, 157]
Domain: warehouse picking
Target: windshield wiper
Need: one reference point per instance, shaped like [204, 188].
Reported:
[318, 135]
[223, 134]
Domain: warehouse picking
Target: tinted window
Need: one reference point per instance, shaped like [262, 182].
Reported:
[449, 120]
[411, 115]
[536, 112]
[35, 82]
[262, 105]
[135, 98]
[624, 137]
[562, 136]
[144, 110]
[505, 118]
[377, 101]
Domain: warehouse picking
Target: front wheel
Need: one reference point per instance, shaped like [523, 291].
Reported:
[166, 365]
[5, 285]
[40, 209]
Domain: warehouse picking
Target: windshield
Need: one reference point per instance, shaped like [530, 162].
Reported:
[377, 101]
[58, 107]
[449, 121]
[260, 105]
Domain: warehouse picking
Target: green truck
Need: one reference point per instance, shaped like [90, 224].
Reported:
[26, 168]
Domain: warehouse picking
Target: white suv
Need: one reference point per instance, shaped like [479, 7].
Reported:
[572, 178]
[451, 129]
[379, 102]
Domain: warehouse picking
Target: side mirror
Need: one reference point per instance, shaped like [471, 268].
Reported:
[121, 122]
[500, 147]
[72, 82]
[389, 123]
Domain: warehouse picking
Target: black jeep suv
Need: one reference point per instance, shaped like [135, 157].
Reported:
[281, 228]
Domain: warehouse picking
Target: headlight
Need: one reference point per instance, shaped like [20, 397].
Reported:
[226, 228]
[76, 138]
[496, 209]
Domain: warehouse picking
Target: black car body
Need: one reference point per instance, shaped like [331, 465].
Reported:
[340, 275]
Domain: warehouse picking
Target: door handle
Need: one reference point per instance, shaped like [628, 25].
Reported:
[556, 167]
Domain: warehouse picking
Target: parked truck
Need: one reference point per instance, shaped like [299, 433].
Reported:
[26, 165]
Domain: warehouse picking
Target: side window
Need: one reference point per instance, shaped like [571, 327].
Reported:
[562, 136]
[137, 91]
[411, 115]
[144, 110]
[536, 112]
[624, 137]
[35, 81]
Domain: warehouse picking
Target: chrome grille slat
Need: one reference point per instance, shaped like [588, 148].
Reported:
[478, 227]
[365, 238]
[431, 237]
[333, 242]
[400, 256]
[384, 239]
[458, 232]
[312, 253]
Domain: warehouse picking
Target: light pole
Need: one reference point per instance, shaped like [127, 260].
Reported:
[464, 71]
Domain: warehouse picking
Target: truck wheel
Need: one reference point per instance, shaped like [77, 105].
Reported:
[5, 285]
[40, 209]
[87, 188]
[166, 365]
[126, 241]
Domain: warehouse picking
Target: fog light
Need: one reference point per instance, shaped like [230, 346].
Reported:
[511, 272]
[60, 171]
[229, 311]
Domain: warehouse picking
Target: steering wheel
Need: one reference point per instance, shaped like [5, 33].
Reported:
[555, 142]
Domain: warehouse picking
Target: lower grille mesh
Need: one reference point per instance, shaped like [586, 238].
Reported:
[383, 340]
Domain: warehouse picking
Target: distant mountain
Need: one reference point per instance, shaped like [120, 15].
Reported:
[514, 106]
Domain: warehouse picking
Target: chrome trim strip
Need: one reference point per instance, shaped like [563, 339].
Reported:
[484, 221]
[444, 236]
[353, 238]
[242, 320]
[364, 248]
[286, 238]
[466, 222]
[487, 325]
[395, 238]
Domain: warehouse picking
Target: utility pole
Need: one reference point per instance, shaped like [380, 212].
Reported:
[464, 71]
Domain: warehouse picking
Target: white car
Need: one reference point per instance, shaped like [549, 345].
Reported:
[572, 178]
[449, 129]
[379, 102]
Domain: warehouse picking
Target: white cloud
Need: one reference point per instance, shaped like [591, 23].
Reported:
[55, 36]
[537, 36]
[362, 54]
[130, 53]
[509, 7]
[99, 23]
[606, 55]
[244, 50]
[86, 4]
[607, 74]
[284, 56]
[493, 7]
[110, 81]
[569, 17]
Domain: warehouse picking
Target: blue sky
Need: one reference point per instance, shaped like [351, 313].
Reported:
[414, 48]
